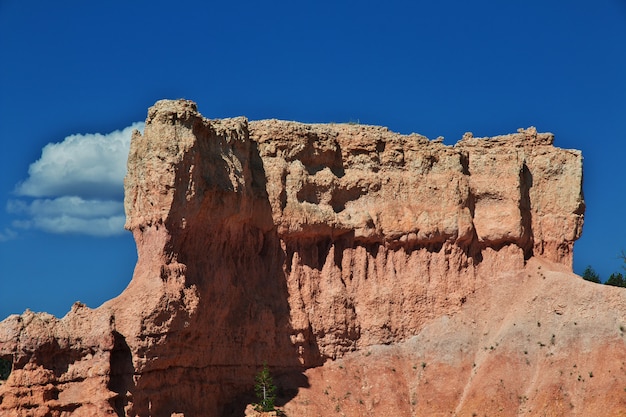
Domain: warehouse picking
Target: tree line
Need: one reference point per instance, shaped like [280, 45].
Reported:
[616, 279]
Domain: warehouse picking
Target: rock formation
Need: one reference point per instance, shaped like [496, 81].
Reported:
[374, 272]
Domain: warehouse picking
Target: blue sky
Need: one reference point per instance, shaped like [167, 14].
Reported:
[76, 75]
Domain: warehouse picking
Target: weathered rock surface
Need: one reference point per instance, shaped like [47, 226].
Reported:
[375, 273]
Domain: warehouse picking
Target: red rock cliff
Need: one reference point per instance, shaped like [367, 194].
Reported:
[317, 246]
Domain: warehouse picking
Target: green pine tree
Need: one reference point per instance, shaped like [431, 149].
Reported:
[591, 275]
[265, 390]
[616, 279]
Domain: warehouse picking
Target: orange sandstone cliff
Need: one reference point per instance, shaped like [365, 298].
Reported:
[376, 274]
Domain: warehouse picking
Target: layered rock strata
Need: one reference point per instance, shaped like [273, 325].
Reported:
[299, 245]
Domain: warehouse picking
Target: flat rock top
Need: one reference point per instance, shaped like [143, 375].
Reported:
[332, 179]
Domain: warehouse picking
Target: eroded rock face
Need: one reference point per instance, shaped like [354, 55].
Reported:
[300, 245]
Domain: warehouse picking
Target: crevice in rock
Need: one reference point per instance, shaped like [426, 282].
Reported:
[121, 373]
[527, 239]
[464, 160]
[6, 366]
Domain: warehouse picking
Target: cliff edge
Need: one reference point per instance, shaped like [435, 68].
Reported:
[372, 271]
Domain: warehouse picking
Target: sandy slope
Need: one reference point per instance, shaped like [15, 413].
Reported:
[539, 342]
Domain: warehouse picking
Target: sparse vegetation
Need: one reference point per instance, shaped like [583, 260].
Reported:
[590, 275]
[265, 390]
[616, 279]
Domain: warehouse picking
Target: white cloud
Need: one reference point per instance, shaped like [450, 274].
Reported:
[88, 166]
[75, 187]
[66, 224]
[7, 234]
[67, 205]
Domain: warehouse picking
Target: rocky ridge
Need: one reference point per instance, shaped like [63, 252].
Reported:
[340, 254]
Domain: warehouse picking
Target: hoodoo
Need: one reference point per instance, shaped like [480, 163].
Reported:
[375, 273]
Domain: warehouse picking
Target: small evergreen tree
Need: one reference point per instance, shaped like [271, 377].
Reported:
[616, 279]
[265, 390]
[591, 275]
